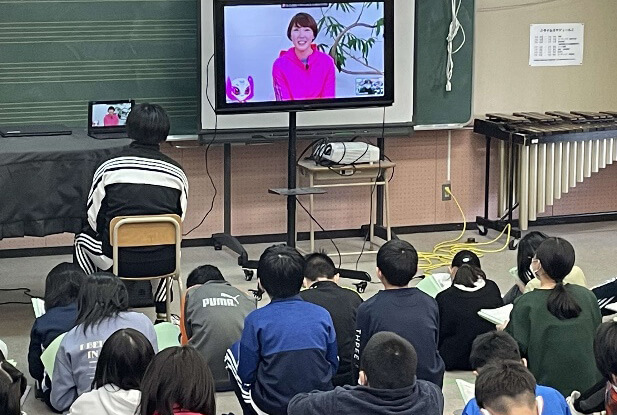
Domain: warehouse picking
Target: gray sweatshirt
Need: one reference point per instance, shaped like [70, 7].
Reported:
[214, 318]
[79, 352]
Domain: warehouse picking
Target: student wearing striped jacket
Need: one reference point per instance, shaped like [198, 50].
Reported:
[138, 180]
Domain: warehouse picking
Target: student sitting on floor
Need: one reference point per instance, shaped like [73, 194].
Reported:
[405, 311]
[102, 303]
[496, 347]
[121, 366]
[603, 396]
[178, 381]
[212, 318]
[12, 386]
[61, 289]
[288, 346]
[526, 280]
[459, 322]
[387, 385]
[507, 388]
[555, 325]
[321, 279]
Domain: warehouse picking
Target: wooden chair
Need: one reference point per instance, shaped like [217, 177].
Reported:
[148, 230]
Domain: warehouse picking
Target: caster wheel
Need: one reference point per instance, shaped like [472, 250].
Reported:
[258, 294]
[513, 244]
[218, 246]
[248, 274]
[361, 286]
[482, 230]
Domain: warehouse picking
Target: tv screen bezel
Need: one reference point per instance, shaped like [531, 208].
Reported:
[223, 107]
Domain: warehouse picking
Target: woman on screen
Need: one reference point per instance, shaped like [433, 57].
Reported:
[111, 119]
[303, 72]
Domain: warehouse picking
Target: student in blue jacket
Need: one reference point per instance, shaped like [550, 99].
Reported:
[288, 346]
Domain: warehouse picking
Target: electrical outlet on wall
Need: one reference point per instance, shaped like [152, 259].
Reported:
[446, 188]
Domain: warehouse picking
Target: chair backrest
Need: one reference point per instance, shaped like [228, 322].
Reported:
[145, 230]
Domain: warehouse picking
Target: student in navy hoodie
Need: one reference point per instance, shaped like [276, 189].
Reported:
[388, 385]
[61, 289]
[406, 311]
[288, 346]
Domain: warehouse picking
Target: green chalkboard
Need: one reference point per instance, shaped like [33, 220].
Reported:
[56, 55]
[433, 105]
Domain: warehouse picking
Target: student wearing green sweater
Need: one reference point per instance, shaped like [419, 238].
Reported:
[555, 325]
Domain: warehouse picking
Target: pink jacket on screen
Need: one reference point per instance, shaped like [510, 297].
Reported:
[294, 79]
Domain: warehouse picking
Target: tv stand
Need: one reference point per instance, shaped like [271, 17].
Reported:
[291, 192]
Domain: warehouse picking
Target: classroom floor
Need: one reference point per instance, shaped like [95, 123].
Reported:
[594, 244]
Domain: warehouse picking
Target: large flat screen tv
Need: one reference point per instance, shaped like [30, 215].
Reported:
[276, 56]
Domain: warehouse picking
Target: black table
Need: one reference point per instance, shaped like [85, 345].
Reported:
[44, 182]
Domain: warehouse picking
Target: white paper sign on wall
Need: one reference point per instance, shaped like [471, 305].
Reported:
[556, 44]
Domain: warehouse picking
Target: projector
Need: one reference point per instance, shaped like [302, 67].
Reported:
[348, 152]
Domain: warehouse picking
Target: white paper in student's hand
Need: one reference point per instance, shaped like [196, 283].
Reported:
[496, 316]
[38, 305]
[466, 389]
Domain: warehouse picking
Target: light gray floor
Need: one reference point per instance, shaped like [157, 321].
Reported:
[594, 243]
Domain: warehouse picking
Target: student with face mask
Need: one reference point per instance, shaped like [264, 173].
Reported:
[555, 325]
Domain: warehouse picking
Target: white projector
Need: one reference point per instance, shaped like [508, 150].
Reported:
[348, 152]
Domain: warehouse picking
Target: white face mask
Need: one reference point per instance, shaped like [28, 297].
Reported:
[534, 272]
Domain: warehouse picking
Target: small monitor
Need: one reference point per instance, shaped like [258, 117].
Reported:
[108, 116]
[271, 55]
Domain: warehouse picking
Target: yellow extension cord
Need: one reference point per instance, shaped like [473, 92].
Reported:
[444, 252]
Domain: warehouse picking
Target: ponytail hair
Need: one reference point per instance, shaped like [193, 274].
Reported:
[556, 255]
[468, 275]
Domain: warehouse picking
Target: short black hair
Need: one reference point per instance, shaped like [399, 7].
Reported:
[148, 124]
[12, 386]
[203, 274]
[281, 271]
[505, 384]
[389, 361]
[177, 377]
[123, 360]
[62, 285]
[111, 108]
[465, 257]
[101, 295]
[494, 346]
[318, 265]
[605, 349]
[398, 262]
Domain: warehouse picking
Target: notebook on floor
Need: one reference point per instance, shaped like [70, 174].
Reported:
[107, 119]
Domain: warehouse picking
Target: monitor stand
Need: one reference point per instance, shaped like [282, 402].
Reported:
[291, 192]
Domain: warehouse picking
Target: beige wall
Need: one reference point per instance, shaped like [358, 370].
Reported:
[503, 82]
